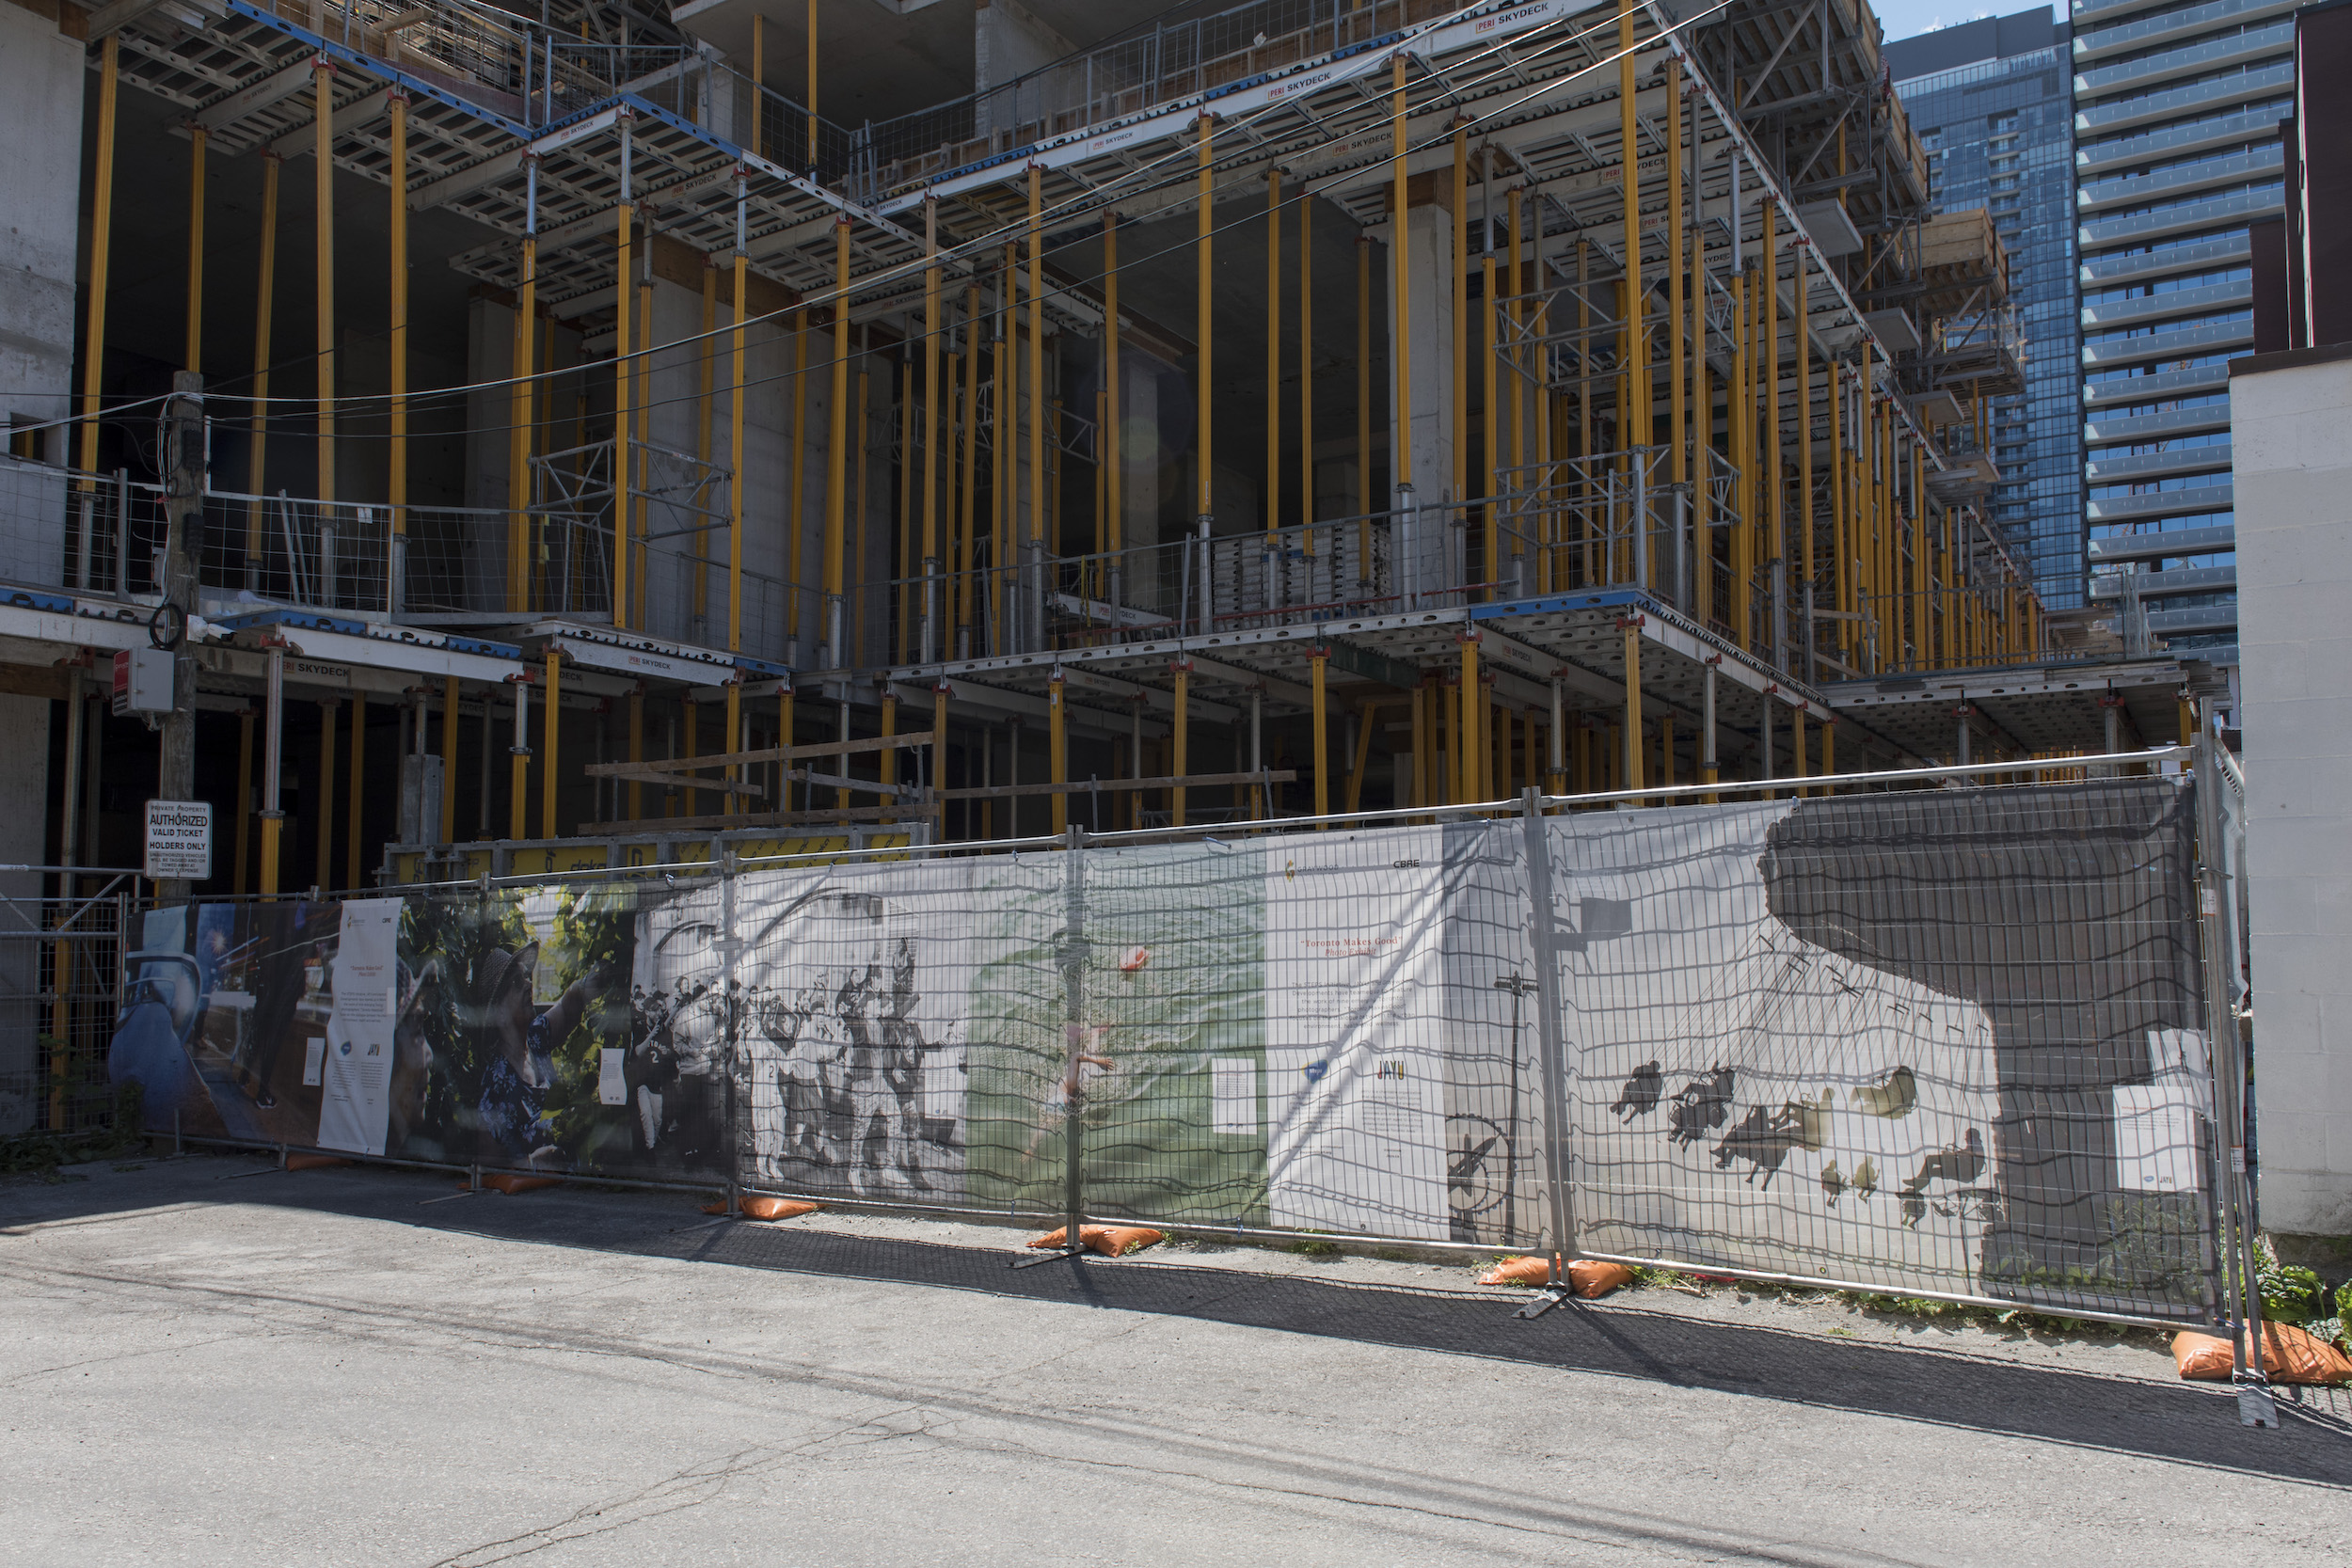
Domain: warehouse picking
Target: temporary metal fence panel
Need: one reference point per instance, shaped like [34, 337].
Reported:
[59, 970]
[1941, 1041]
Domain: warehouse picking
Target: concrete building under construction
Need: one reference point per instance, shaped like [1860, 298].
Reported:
[543, 437]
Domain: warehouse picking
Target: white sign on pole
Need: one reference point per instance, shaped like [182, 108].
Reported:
[180, 839]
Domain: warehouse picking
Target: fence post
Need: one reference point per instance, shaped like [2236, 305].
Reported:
[1072, 951]
[731, 1017]
[2255, 1406]
[1544, 937]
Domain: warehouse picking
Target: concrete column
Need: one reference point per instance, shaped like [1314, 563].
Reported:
[1429, 239]
[42, 76]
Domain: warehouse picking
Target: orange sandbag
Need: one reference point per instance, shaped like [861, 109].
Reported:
[313, 1162]
[2289, 1355]
[1585, 1278]
[508, 1182]
[759, 1205]
[1111, 1240]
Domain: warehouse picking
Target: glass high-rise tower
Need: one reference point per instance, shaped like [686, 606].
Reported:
[2176, 110]
[1992, 101]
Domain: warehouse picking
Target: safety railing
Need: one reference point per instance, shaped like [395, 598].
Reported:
[1127, 75]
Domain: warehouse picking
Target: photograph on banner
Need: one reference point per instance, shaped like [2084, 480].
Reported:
[553, 1042]
[1865, 1039]
[854, 982]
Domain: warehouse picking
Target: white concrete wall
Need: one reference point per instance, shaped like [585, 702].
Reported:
[2292, 458]
[40, 124]
[1007, 41]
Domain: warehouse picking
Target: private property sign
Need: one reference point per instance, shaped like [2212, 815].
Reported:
[180, 839]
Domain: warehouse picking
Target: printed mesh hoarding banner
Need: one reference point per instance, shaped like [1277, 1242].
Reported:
[1939, 1040]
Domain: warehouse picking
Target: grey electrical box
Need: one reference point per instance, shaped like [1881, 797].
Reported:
[421, 798]
[142, 681]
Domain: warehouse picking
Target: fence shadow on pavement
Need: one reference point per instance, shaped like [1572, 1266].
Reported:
[2180, 1423]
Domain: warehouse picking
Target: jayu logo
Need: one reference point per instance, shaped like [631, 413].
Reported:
[1315, 1072]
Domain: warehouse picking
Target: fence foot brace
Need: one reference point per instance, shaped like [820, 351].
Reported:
[1111, 1240]
[510, 1183]
[758, 1206]
[314, 1161]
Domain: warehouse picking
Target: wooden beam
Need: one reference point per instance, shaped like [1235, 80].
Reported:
[640, 772]
[680, 827]
[1088, 786]
[772, 753]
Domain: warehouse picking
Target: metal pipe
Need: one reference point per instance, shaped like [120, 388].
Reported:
[1307, 367]
[1400, 309]
[1057, 745]
[1632, 625]
[550, 777]
[1203, 316]
[1323, 749]
[1038, 531]
[932, 329]
[518, 798]
[837, 440]
[323, 79]
[1629, 159]
[1271, 519]
[273, 818]
[449, 759]
[735, 464]
[525, 342]
[621, 475]
[1362, 503]
[1181, 671]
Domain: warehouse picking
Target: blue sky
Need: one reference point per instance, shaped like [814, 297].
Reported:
[1904, 19]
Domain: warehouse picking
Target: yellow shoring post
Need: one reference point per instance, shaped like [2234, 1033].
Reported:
[740, 348]
[623, 266]
[1181, 670]
[1583, 412]
[1636, 432]
[1580, 755]
[244, 800]
[1420, 794]
[1273, 362]
[1888, 647]
[1001, 429]
[797, 503]
[265, 302]
[1097, 586]
[549, 718]
[357, 809]
[838, 450]
[854, 613]
[1769, 326]
[1401, 370]
[1492, 310]
[885, 760]
[812, 94]
[934, 329]
[759, 81]
[784, 738]
[1457, 250]
[192, 356]
[1108, 446]
[1840, 585]
[1800, 319]
[639, 543]
[706, 419]
[680, 801]
[323, 224]
[524, 348]
[1796, 746]
[1740, 419]
[449, 759]
[1363, 407]
[1037, 369]
[1621, 556]
[907, 580]
[939, 762]
[1057, 745]
[1512, 289]
[737, 740]
[396, 294]
[1203, 131]
[971, 449]
[1919, 548]
[1472, 703]
[1307, 367]
[636, 747]
[1829, 751]
[1674, 367]
[1632, 625]
[1316, 659]
[1666, 749]
[101, 253]
[1363, 758]
[1445, 781]
[326, 836]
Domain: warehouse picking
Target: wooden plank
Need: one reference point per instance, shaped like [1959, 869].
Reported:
[636, 773]
[688, 827]
[772, 753]
[1088, 786]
